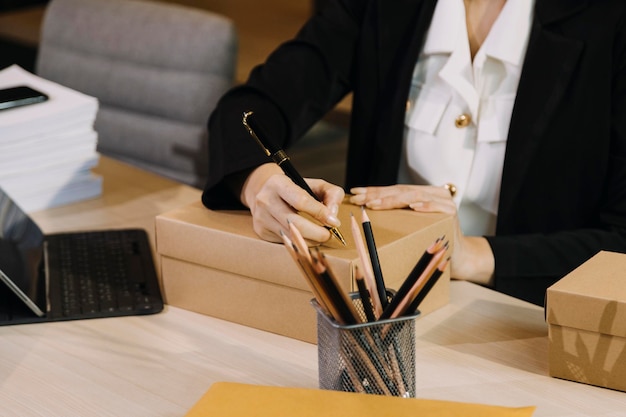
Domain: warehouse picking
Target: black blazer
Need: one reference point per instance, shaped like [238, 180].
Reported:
[563, 193]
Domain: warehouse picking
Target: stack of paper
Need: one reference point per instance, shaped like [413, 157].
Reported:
[47, 149]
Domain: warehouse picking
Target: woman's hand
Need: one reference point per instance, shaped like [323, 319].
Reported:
[472, 258]
[275, 201]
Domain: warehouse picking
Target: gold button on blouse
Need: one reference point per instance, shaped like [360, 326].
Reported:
[463, 120]
[451, 188]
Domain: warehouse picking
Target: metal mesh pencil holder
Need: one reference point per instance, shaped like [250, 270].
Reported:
[376, 357]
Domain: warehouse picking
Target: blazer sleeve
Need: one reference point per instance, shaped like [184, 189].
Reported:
[296, 86]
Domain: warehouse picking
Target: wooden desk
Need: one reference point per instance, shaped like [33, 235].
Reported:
[483, 347]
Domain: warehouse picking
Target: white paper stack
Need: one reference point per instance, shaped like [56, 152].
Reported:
[47, 149]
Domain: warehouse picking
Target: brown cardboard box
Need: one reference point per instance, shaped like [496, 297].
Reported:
[586, 314]
[212, 262]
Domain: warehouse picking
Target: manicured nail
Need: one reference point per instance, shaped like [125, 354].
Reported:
[357, 200]
[333, 221]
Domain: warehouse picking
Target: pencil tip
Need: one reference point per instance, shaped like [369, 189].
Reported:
[364, 216]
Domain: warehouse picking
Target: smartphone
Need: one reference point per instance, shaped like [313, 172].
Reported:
[20, 95]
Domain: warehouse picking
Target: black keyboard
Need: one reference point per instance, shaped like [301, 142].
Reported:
[101, 274]
[91, 274]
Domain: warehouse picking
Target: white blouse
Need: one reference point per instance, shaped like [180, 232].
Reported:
[459, 111]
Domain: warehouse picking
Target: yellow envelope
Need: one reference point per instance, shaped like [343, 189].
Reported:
[228, 399]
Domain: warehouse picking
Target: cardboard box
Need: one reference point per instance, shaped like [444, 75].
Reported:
[586, 314]
[212, 262]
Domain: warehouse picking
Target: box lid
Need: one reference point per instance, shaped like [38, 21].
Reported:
[592, 297]
[225, 240]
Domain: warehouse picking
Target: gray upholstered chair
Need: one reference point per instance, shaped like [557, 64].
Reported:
[157, 69]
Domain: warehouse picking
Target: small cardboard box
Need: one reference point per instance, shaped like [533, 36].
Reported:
[586, 314]
[212, 262]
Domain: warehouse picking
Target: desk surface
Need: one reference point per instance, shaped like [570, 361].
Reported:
[483, 347]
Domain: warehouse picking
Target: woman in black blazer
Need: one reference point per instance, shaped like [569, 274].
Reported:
[563, 187]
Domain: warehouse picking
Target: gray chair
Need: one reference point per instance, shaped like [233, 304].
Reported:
[157, 69]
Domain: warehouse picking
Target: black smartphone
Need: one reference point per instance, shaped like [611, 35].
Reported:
[20, 95]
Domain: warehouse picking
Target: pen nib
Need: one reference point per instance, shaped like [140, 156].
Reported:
[337, 234]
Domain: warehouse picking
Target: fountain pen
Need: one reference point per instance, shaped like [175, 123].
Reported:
[282, 160]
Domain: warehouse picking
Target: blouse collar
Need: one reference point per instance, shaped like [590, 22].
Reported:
[506, 41]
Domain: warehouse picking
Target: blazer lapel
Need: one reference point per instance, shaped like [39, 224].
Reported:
[403, 23]
[548, 67]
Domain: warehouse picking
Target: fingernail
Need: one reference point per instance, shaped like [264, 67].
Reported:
[357, 200]
[333, 221]
[334, 209]
[358, 190]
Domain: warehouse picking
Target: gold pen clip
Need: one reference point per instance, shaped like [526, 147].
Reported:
[252, 133]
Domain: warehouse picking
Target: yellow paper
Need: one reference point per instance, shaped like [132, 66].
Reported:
[227, 399]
